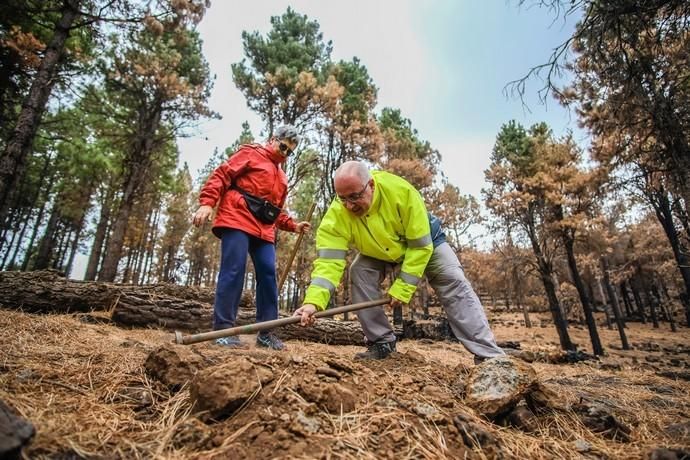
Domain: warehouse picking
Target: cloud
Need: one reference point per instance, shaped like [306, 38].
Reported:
[464, 162]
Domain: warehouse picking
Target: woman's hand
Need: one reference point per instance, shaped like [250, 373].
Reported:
[303, 227]
[202, 215]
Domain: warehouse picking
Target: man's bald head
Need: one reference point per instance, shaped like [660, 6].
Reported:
[352, 171]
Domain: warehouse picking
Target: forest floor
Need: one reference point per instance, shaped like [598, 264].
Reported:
[85, 387]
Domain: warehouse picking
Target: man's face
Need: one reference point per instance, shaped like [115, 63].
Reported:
[355, 195]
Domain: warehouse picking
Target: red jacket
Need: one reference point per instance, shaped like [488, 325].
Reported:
[255, 169]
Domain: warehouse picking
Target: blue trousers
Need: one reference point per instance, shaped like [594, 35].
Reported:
[235, 244]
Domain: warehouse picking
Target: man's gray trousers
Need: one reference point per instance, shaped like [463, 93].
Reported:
[445, 274]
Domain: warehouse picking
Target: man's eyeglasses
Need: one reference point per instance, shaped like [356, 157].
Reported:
[284, 148]
[352, 197]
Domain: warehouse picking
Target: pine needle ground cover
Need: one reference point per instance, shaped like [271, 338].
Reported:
[89, 389]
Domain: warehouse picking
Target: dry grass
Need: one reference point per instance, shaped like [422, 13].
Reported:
[84, 388]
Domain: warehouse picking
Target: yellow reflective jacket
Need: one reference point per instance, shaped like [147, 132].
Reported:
[395, 229]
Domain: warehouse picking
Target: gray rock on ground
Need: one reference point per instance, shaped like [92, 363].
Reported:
[498, 384]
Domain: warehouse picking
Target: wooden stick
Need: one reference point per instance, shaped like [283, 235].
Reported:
[283, 275]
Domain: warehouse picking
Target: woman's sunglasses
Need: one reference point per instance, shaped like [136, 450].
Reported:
[284, 148]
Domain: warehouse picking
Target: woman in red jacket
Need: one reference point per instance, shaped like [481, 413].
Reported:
[250, 189]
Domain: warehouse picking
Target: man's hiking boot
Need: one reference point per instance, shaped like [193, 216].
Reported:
[478, 360]
[379, 350]
[231, 342]
[269, 340]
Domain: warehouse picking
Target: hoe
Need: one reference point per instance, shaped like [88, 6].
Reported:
[256, 327]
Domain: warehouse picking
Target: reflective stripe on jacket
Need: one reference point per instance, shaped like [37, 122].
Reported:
[257, 170]
[395, 229]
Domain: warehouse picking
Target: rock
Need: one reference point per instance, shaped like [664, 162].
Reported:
[610, 365]
[337, 399]
[680, 375]
[525, 355]
[679, 432]
[522, 419]
[192, 432]
[599, 419]
[542, 399]
[305, 425]
[582, 446]
[332, 397]
[498, 384]
[327, 371]
[509, 344]
[427, 411]
[217, 392]
[669, 454]
[15, 432]
[174, 365]
[474, 435]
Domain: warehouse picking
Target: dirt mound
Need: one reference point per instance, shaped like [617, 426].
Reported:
[277, 402]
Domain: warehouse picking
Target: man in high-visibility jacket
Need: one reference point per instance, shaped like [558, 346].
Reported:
[384, 217]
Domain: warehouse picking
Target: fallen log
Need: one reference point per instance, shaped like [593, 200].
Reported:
[173, 307]
[48, 291]
[329, 331]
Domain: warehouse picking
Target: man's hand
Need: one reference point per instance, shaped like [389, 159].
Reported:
[306, 311]
[202, 215]
[303, 227]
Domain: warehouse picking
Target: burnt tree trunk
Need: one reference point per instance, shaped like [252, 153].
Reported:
[638, 300]
[329, 331]
[13, 159]
[662, 207]
[569, 242]
[626, 300]
[545, 268]
[614, 304]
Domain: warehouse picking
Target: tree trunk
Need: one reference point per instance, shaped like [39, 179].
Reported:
[46, 247]
[607, 315]
[666, 312]
[13, 159]
[662, 208]
[329, 331]
[24, 225]
[151, 247]
[638, 299]
[569, 242]
[137, 169]
[626, 300]
[39, 216]
[99, 236]
[614, 303]
[546, 273]
[172, 307]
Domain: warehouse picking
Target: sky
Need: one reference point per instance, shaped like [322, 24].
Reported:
[444, 63]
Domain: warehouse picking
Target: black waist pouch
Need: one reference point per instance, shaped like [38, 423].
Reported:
[262, 209]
